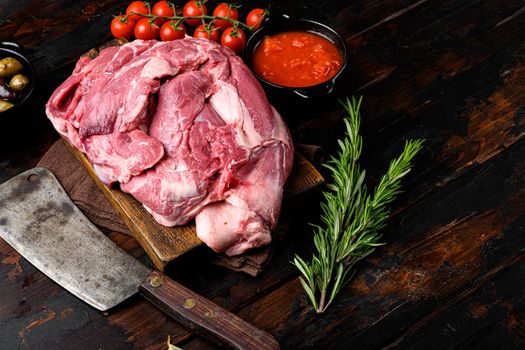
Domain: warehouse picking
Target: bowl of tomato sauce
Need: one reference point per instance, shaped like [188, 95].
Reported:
[298, 55]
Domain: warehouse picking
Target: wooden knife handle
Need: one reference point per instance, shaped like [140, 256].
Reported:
[203, 316]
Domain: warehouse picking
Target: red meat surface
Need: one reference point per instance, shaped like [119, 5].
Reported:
[186, 128]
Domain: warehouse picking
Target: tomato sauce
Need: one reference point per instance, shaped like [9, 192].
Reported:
[296, 59]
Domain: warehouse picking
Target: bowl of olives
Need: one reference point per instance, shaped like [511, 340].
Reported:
[17, 77]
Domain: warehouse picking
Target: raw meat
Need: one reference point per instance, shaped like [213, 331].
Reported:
[184, 127]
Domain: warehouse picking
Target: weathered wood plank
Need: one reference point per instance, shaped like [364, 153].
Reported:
[446, 126]
[457, 55]
[490, 315]
[440, 84]
[36, 313]
[442, 247]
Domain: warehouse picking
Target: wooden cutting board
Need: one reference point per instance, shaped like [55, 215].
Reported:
[164, 244]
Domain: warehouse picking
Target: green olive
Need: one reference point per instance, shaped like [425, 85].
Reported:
[4, 105]
[19, 82]
[10, 66]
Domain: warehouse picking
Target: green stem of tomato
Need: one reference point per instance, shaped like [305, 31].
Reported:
[181, 18]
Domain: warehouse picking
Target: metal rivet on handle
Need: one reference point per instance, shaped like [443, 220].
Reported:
[189, 303]
[156, 281]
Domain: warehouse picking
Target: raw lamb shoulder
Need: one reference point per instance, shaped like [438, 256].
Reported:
[184, 127]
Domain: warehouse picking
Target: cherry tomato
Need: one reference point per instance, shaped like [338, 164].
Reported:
[255, 18]
[226, 11]
[234, 38]
[207, 32]
[194, 8]
[169, 31]
[138, 7]
[162, 8]
[145, 30]
[122, 27]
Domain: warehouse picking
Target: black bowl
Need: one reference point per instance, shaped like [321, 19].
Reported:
[284, 23]
[9, 49]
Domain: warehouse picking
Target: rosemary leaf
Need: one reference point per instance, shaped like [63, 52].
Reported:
[351, 217]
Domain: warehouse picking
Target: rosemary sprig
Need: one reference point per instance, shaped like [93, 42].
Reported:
[351, 218]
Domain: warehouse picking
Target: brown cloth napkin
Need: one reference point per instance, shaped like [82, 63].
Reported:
[86, 195]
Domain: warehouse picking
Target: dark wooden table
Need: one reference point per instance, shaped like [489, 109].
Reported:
[453, 272]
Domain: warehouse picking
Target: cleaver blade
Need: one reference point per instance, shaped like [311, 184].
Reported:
[39, 220]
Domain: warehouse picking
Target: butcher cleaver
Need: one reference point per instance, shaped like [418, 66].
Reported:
[38, 220]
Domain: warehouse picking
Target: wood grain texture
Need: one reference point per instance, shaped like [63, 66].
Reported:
[36, 313]
[490, 314]
[448, 245]
[452, 273]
